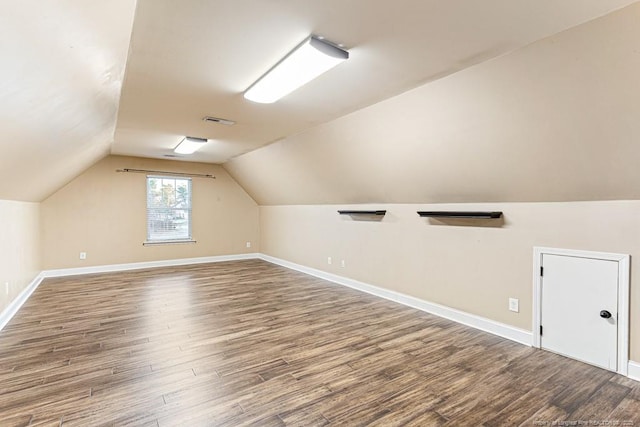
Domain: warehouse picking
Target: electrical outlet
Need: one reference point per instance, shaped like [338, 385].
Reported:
[342, 264]
[248, 244]
[514, 304]
[329, 260]
[83, 255]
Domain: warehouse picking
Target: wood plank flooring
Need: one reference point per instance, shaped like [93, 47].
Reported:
[250, 343]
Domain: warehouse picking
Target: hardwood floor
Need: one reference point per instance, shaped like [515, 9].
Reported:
[250, 343]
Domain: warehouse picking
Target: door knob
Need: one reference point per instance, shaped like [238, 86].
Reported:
[605, 314]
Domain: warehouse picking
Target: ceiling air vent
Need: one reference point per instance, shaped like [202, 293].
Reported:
[219, 120]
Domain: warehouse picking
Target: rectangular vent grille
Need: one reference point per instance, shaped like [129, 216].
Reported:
[219, 120]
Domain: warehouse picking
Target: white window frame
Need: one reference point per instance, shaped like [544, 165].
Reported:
[149, 209]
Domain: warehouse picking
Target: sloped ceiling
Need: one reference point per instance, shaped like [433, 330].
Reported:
[557, 120]
[193, 58]
[61, 69]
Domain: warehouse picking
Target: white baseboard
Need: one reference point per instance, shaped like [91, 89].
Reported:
[634, 370]
[505, 331]
[7, 314]
[149, 264]
[478, 322]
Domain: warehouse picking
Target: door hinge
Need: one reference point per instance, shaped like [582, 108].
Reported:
[541, 271]
[540, 330]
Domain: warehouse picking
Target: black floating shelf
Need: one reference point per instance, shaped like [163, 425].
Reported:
[362, 212]
[460, 214]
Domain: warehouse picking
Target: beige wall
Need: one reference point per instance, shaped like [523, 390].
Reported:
[469, 265]
[103, 213]
[19, 248]
[556, 121]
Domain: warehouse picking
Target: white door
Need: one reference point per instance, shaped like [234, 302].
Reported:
[579, 308]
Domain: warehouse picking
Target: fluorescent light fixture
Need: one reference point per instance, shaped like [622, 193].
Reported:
[307, 61]
[189, 145]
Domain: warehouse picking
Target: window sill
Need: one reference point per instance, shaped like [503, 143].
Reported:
[166, 242]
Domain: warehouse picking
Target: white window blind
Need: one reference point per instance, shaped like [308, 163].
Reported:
[168, 209]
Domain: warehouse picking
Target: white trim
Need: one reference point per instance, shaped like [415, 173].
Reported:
[634, 370]
[505, 331]
[148, 264]
[630, 368]
[623, 296]
[7, 314]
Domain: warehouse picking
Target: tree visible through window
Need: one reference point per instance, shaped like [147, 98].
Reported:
[168, 208]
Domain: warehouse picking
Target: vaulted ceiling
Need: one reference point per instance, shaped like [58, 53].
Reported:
[80, 80]
[557, 120]
[62, 64]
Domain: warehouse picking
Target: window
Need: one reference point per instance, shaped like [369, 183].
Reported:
[168, 209]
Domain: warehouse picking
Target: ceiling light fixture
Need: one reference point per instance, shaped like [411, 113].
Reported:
[307, 61]
[189, 145]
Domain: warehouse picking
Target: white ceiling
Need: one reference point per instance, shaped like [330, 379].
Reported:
[194, 58]
[62, 64]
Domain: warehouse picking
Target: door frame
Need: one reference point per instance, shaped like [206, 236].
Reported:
[623, 296]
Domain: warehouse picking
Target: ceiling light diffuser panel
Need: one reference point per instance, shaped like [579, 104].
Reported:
[307, 61]
[189, 145]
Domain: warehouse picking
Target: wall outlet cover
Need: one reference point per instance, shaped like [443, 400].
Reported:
[514, 305]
